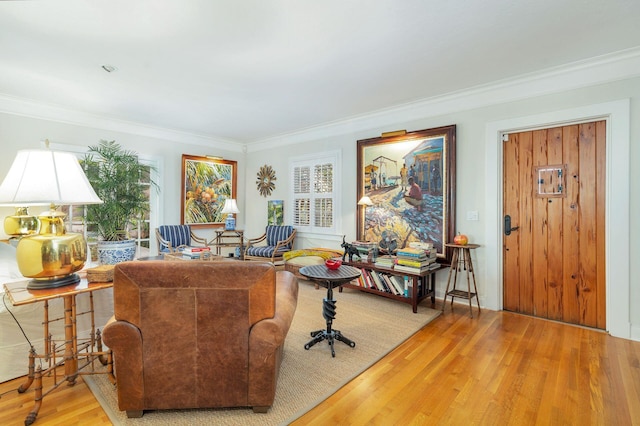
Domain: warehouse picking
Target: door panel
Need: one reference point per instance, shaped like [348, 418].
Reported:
[553, 187]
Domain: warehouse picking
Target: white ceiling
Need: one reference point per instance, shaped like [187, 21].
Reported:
[247, 70]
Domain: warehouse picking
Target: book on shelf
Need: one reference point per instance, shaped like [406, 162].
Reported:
[386, 261]
[388, 284]
[409, 269]
[412, 253]
[421, 245]
[416, 263]
[416, 270]
[366, 279]
[379, 282]
[397, 284]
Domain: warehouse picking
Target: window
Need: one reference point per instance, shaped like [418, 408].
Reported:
[314, 193]
[140, 231]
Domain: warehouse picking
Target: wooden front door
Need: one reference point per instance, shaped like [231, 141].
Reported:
[553, 229]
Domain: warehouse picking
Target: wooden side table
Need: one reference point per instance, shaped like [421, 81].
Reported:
[227, 238]
[69, 352]
[461, 260]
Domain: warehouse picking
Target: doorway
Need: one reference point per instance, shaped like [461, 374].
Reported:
[554, 184]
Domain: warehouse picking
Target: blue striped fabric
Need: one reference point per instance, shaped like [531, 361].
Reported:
[177, 235]
[264, 251]
[277, 233]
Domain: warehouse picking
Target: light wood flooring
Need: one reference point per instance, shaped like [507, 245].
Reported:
[495, 369]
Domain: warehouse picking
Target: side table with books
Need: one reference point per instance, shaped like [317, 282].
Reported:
[404, 283]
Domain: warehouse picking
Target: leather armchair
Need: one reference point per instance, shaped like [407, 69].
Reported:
[198, 334]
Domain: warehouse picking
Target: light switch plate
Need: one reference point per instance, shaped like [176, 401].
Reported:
[472, 215]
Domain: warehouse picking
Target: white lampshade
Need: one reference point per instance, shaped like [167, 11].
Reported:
[365, 201]
[40, 177]
[230, 206]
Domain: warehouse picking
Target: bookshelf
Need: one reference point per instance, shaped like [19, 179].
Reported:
[423, 284]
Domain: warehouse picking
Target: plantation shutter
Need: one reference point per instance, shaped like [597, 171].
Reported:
[313, 197]
[323, 200]
[302, 196]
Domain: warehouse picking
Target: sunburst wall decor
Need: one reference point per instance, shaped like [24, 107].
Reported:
[265, 180]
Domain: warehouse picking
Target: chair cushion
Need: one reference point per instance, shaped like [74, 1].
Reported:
[264, 251]
[277, 233]
[178, 235]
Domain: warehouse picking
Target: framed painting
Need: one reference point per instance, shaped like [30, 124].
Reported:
[409, 178]
[206, 183]
[275, 212]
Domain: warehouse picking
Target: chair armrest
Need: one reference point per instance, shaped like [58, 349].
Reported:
[162, 242]
[125, 340]
[253, 241]
[288, 241]
[198, 240]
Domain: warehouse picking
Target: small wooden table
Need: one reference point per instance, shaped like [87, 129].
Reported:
[330, 279]
[462, 259]
[227, 238]
[72, 350]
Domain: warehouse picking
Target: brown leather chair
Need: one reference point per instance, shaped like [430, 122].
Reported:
[198, 334]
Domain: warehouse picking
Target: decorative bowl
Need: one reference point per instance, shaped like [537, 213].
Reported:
[333, 264]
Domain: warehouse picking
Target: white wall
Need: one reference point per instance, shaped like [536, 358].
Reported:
[20, 132]
[473, 192]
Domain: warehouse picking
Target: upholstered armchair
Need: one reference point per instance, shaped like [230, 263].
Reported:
[277, 240]
[198, 334]
[172, 238]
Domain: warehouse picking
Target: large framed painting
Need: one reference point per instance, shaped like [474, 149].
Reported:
[410, 179]
[206, 183]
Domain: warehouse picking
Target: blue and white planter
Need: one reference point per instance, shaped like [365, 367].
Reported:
[112, 252]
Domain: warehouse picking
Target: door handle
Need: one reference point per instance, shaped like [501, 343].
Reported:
[507, 225]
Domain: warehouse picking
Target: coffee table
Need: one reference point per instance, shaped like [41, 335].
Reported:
[330, 279]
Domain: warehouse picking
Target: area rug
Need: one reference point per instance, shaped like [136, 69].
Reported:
[307, 377]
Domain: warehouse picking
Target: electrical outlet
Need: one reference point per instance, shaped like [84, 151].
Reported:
[472, 215]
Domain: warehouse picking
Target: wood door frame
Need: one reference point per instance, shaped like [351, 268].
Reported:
[617, 217]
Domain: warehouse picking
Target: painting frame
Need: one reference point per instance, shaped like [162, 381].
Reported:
[207, 182]
[432, 218]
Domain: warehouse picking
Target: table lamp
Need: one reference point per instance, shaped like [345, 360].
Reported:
[230, 208]
[51, 257]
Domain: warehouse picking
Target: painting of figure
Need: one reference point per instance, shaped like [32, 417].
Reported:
[412, 190]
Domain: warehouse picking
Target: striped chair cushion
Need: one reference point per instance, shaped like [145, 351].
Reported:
[277, 233]
[178, 235]
[264, 251]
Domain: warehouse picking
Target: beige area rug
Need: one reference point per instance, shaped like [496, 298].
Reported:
[307, 377]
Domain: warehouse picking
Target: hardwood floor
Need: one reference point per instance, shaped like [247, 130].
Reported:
[497, 368]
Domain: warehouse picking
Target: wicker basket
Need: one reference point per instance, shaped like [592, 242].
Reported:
[100, 274]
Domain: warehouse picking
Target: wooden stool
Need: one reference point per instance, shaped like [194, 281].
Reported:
[461, 259]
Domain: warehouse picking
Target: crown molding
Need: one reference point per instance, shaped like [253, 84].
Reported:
[33, 109]
[602, 69]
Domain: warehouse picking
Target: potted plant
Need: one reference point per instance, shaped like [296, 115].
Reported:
[122, 183]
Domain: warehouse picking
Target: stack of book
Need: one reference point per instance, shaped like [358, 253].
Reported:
[385, 261]
[415, 260]
[196, 252]
[366, 249]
